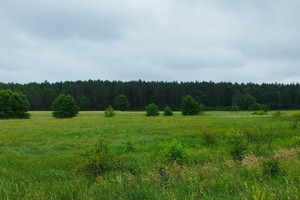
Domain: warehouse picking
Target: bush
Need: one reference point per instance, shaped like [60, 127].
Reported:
[152, 110]
[122, 103]
[109, 112]
[174, 152]
[97, 159]
[13, 105]
[168, 111]
[189, 106]
[260, 112]
[238, 144]
[270, 168]
[64, 106]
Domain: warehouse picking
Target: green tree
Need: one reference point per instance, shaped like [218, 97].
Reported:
[189, 106]
[256, 106]
[64, 106]
[152, 110]
[84, 103]
[122, 103]
[13, 105]
[168, 111]
[264, 107]
[245, 101]
[109, 112]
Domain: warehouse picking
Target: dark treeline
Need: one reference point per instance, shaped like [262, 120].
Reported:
[97, 95]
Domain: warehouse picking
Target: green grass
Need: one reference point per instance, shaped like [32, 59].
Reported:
[41, 158]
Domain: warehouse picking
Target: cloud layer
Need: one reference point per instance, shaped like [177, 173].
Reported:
[184, 40]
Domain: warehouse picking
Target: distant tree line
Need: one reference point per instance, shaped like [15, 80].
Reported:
[98, 94]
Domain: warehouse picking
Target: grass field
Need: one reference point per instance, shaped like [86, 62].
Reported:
[44, 158]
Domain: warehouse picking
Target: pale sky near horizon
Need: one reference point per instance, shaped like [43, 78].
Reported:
[169, 40]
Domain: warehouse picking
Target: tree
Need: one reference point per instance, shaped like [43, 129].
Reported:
[189, 106]
[264, 107]
[109, 112]
[245, 101]
[64, 106]
[13, 105]
[84, 103]
[122, 103]
[168, 111]
[152, 110]
[256, 106]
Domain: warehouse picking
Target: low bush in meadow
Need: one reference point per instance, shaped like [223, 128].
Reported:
[237, 144]
[152, 110]
[168, 111]
[174, 152]
[109, 112]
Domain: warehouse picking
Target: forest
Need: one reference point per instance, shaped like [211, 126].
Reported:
[99, 94]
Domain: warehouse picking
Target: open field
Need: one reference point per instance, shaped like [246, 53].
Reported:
[42, 158]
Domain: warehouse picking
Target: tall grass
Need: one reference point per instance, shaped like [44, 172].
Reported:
[40, 157]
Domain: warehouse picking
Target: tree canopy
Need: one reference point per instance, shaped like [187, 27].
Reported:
[13, 105]
[152, 110]
[189, 106]
[99, 94]
[122, 103]
[64, 106]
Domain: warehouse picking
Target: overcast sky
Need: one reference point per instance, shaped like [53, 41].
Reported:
[168, 40]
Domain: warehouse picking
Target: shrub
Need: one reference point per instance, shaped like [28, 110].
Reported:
[238, 144]
[189, 106]
[64, 106]
[109, 112]
[174, 152]
[260, 112]
[122, 103]
[168, 111]
[97, 159]
[270, 167]
[13, 105]
[152, 110]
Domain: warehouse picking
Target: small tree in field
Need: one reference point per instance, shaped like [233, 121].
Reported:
[189, 106]
[168, 111]
[122, 103]
[13, 105]
[64, 106]
[109, 112]
[152, 110]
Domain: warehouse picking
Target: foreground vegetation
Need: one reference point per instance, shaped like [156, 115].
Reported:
[221, 155]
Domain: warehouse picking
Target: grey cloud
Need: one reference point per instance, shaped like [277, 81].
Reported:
[223, 40]
[56, 23]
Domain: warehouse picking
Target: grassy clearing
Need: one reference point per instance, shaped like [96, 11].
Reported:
[40, 158]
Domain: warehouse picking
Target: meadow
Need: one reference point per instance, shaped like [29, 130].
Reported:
[45, 158]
